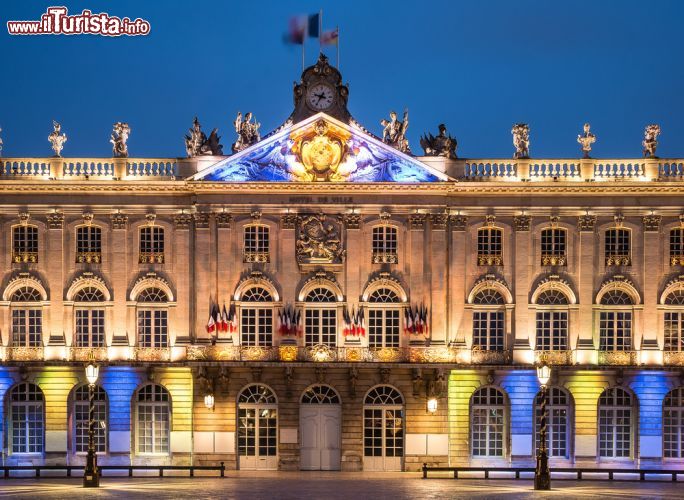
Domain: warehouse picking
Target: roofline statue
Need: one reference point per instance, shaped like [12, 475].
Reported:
[521, 140]
[586, 140]
[56, 138]
[119, 138]
[650, 142]
[247, 130]
[441, 145]
[394, 132]
[198, 144]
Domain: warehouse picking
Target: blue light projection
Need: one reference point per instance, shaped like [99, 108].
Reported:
[120, 382]
[6, 381]
[650, 388]
[365, 161]
[522, 387]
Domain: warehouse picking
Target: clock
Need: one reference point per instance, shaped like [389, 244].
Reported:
[320, 97]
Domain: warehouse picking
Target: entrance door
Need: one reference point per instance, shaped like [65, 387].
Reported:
[320, 417]
[383, 430]
[257, 428]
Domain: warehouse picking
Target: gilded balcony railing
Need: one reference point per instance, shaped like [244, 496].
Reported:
[88, 353]
[152, 354]
[618, 260]
[484, 357]
[553, 260]
[151, 258]
[88, 257]
[259, 257]
[385, 258]
[553, 357]
[619, 358]
[677, 260]
[24, 257]
[20, 353]
[484, 259]
[673, 358]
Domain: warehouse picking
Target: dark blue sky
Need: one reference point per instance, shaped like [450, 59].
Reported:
[476, 66]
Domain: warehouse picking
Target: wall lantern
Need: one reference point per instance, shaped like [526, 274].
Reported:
[432, 405]
[209, 402]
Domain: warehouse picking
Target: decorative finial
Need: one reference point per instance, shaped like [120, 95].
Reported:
[57, 138]
[650, 142]
[119, 138]
[521, 140]
[586, 140]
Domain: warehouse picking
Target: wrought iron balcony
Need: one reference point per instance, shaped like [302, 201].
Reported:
[618, 260]
[673, 358]
[554, 260]
[619, 358]
[151, 258]
[553, 357]
[385, 258]
[484, 357]
[677, 260]
[152, 354]
[258, 257]
[24, 257]
[489, 259]
[88, 257]
[21, 353]
[88, 354]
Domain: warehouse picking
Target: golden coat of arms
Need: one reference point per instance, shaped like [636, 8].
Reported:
[320, 151]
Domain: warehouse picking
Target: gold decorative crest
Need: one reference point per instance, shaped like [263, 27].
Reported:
[320, 150]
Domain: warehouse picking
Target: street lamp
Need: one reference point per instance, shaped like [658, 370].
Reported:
[542, 475]
[91, 476]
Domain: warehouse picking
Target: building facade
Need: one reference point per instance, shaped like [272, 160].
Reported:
[346, 305]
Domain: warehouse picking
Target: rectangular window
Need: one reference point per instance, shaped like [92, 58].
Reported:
[27, 427]
[673, 437]
[383, 328]
[153, 428]
[488, 330]
[384, 245]
[556, 431]
[27, 327]
[615, 331]
[553, 247]
[552, 331]
[487, 432]
[677, 247]
[256, 244]
[88, 245]
[90, 328]
[81, 410]
[152, 328]
[489, 247]
[615, 432]
[257, 326]
[617, 247]
[320, 327]
[673, 331]
[151, 245]
[25, 244]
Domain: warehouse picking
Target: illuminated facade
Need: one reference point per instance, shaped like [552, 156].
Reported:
[466, 273]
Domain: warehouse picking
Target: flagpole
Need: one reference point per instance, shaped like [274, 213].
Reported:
[338, 46]
[320, 30]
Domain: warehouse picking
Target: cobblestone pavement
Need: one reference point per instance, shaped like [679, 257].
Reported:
[322, 485]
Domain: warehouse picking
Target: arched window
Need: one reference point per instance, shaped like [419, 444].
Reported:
[489, 320]
[489, 246]
[320, 395]
[27, 317]
[81, 420]
[674, 321]
[677, 246]
[27, 419]
[320, 318]
[88, 244]
[616, 423]
[383, 428]
[153, 417]
[553, 247]
[615, 324]
[256, 243]
[256, 313]
[552, 321]
[153, 318]
[383, 318]
[257, 427]
[673, 424]
[557, 422]
[487, 423]
[617, 247]
[89, 317]
[384, 245]
[151, 245]
[25, 244]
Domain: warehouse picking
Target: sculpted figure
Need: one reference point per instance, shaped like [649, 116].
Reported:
[119, 138]
[56, 138]
[394, 132]
[0, 143]
[247, 130]
[586, 140]
[650, 142]
[442, 145]
[197, 143]
[521, 140]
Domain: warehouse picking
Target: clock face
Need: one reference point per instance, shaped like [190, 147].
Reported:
[320, 97]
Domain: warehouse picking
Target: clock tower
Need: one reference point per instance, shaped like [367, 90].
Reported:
[321, 90]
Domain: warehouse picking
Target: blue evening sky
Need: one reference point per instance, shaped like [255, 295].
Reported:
[478, 66]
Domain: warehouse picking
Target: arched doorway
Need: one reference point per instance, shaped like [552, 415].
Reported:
[257, 428]
[383, 429]
[320, 417]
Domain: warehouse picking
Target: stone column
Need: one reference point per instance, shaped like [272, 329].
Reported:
[186, 295]
[521, 266]
[204, 276]
[357, 266]
[54, 255]
[119, 265]
[652, 261]
[456, 288]
[439, 276]
[586, 351]
[416, 261]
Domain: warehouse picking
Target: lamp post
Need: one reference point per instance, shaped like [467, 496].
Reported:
[91, 476]
[542, 475]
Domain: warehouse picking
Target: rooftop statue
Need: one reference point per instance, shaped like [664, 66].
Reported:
[0, 143]
[441, 145]
[57, 138]
[394, 132]
[586, 140]
[521, 140]
[248, 132]
[119, 138]
[650, 142]
[197, 143]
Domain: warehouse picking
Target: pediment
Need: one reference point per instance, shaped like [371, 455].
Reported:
[320, 149]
